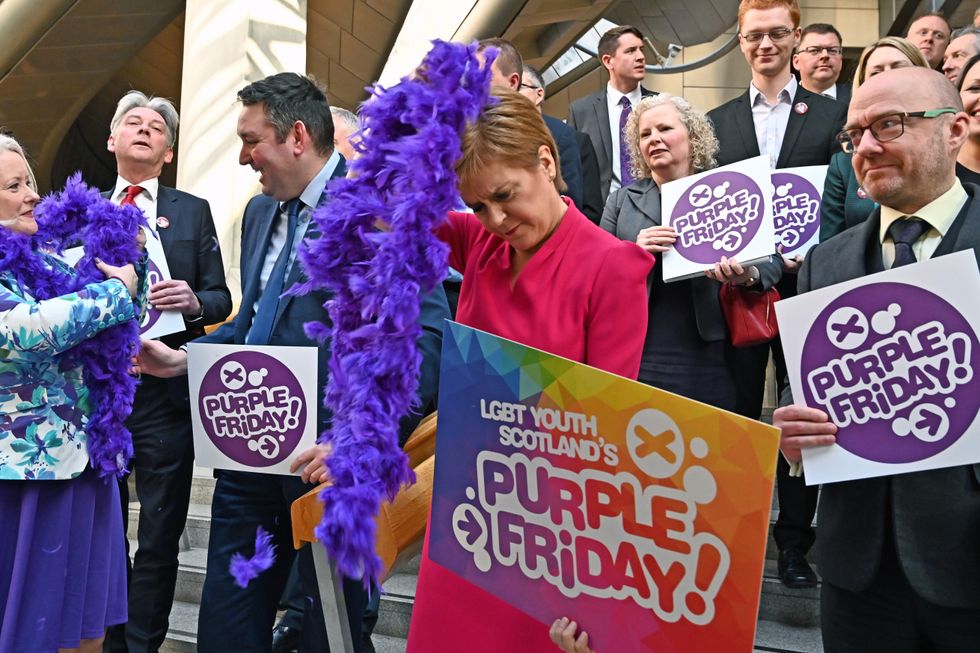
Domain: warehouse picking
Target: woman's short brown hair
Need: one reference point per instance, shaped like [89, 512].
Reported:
[509, 130]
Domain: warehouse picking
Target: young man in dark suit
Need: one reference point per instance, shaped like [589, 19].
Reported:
[142, 134]
[602, 116]
[791, 126]
[897, 554]
[287, 137]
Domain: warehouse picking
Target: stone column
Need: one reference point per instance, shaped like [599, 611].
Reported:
[228, 44]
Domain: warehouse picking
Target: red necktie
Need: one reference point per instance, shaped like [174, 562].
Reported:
[131, 193]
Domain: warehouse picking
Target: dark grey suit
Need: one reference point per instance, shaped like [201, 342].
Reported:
[931, 519]
[590, 115]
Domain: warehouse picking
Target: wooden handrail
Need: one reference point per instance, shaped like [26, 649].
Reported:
[401, 522]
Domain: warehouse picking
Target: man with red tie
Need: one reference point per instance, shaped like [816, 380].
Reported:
[142, 135]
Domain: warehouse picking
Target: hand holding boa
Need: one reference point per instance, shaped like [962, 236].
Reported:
[81, 214]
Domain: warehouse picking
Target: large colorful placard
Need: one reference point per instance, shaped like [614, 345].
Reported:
[253, 408]
[796, 194]
[893, 359]
[156, 323]
[565, 490]
[722, 212]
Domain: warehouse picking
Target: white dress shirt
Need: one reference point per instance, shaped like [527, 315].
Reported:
[771, 120]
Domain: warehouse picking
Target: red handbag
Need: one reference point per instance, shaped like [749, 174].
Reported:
[751, 316]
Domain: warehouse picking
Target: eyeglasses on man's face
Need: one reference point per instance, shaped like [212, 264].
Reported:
[532, 86]
[775, 35]
[815, 50]
[885, 129]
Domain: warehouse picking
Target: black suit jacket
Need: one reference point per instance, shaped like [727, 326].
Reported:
[190, 244]
[590, 115]
[935, 514]
[844, 93]
[569, 158]
[810, 140]
[295, 311]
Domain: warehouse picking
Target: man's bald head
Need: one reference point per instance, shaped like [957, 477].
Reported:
[907, 161]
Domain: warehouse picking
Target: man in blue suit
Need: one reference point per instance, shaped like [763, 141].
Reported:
[286, 131]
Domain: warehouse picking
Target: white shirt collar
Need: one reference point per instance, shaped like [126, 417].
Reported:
[615, 96]
[150, 186]
[311, 194]
[785, 96]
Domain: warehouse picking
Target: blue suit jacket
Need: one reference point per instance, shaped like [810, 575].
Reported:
[569, 157]
[294, 312]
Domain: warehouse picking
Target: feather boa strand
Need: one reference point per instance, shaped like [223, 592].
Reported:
[80, 214]
[405, 176]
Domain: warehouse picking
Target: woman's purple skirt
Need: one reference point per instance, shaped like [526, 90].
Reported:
[62, 562]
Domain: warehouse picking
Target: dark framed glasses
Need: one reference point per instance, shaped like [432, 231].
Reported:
[816, 51]
[887, 128]
[774, 35]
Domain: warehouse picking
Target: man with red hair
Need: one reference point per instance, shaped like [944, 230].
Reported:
[791, 127]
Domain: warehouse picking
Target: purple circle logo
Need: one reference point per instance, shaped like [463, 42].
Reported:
[153, 276]
[795, 210]
[717, 216]
[253, 408]
[892, 364]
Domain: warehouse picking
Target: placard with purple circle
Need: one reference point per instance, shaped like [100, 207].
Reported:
[155, 323]
[722, 212]
[796, 207]
[159, 323]
[253, 408]
[893, 359]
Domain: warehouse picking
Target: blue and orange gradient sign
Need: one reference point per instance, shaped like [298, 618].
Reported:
[565, 490]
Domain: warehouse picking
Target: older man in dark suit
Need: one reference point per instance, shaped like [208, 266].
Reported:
[602, 116]
[142, 134]
[791, 126]
[898, 554]
[287, 137]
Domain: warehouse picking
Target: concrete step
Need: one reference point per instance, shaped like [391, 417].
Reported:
[775, 637]
[196, 529]
[781, 604]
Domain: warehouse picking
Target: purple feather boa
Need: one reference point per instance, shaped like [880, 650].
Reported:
[79, 214]
[406, 177]
[243, 569]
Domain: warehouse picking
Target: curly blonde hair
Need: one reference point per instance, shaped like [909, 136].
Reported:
[703, 142]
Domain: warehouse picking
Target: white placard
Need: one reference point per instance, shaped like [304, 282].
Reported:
[893, 358]
[796, 207]
[722, 212]
[253, 408]
[155, 323]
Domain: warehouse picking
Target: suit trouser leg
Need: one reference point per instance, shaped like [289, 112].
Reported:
[749, 373]
[890, 617]
[164, 470]
[233, 619]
